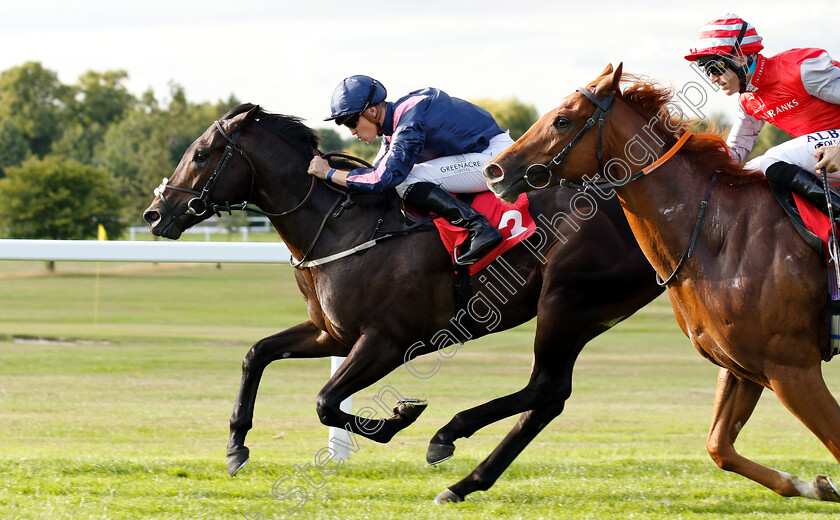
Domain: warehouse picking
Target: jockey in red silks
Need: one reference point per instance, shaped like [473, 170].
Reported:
[433, 145]
[797, 90]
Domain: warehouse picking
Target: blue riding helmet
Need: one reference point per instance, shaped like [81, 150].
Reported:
[354, 95]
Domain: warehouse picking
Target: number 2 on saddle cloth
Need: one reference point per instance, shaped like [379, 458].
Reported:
[513, 220]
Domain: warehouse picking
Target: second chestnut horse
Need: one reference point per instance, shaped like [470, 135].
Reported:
[745, 288]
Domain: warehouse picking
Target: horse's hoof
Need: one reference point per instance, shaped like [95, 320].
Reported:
[437, 453]
[410, 409]
[826, 489]
[236, 459]
[447, 495]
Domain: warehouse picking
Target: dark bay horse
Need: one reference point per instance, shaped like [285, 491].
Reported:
[751, 297]
[578, 276]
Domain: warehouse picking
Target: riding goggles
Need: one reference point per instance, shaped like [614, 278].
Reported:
[350, 121]
[714, 65]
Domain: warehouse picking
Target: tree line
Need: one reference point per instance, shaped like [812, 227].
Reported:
[76, 156]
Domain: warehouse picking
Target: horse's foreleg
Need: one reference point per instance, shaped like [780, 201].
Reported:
[541, 400]
[557, 344]
[372, 358]
[735, 401]
[544, 387]
[301, 341]
[804, 393]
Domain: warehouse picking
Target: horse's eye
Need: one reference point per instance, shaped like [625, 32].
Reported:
[200, 157]
[561, 123]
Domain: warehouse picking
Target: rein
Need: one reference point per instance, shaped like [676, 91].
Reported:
[603, 107]
[335, 212]
[638, 175]
[301, 264]
[384, 235]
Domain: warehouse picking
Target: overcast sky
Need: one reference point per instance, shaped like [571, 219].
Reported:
[288, 55]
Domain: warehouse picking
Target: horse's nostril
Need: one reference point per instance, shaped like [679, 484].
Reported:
[151, 217]
[493, 171]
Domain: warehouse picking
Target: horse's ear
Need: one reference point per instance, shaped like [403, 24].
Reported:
[608, 84]
[251, 115]
[242, 120]
[597, 81]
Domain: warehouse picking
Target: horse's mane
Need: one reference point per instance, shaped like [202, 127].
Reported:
[290, 128]
[707, 148]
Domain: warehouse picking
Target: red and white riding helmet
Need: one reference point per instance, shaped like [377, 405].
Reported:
[721, 37]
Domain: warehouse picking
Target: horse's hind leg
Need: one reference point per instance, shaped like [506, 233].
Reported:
[734, 403]
[373, 357]
[301, 341]
[804, 393]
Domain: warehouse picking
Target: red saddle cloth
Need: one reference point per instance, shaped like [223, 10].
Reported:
[815, 220]
[513, 220]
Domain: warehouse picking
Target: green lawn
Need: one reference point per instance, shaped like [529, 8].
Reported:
[121, 411]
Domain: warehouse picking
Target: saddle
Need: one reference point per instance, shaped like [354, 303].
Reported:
[811, 224]
[513, 220]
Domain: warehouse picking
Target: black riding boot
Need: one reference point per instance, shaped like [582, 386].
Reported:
[805, 184]
[811, 188]
[482, 235]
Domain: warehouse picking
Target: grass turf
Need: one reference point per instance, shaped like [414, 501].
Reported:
[121, 411]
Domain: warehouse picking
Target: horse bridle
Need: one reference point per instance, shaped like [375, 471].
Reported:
[203, 198]
[199, 205]
[600, 114]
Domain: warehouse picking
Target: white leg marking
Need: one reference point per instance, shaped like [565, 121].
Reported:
[806, 489]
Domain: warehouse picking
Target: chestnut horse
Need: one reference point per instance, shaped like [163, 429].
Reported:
[745, 288]
[390, 304]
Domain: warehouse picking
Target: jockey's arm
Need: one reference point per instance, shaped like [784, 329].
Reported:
[743, 135]
[821, 78]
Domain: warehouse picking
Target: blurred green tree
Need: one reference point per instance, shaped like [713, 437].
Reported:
[35, 101]
[136, 150]
[13, 146]
[361, 149]
[99, 99]
[330, 140]
[55, 198]
[147, 143]
[511, 114]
